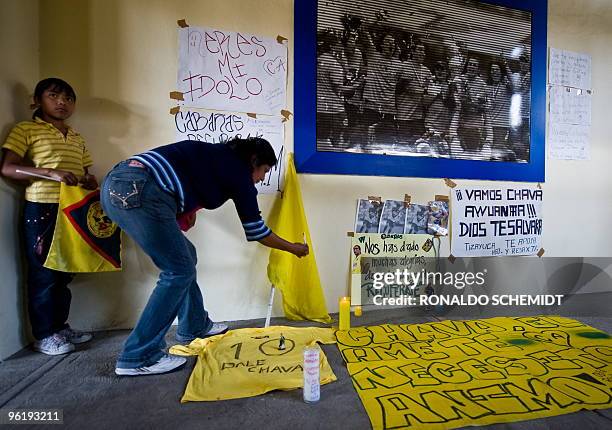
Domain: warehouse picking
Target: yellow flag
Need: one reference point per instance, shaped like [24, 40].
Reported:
[252, 361]
[297, 278]
[85, 239]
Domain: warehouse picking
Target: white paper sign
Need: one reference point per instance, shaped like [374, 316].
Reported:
[568, 68]
[231, 71]
[496, 221]
[570, 106]
[218, 127]
[569, 141]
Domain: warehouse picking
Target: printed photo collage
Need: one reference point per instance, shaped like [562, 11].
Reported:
[402, 217]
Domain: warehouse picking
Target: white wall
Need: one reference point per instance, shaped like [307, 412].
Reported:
[578, 192]
[121, 57]
[18, 72]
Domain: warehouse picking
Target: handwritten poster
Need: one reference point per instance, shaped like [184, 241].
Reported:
[375, 253]
[496, 221]
[571, 69]
[231, 71]
[218, 127]
[570, 105]
[569, 141]
[449, 374]
[569, 126]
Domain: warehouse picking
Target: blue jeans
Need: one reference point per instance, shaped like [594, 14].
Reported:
[48, 294]
[131, 198]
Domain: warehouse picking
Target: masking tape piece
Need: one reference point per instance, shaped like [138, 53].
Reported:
[182, 23]
[441, 198]
[449, 183]
[452, 258]
[540, 252]
[281, 39]
[175, 110]
[286, 114]
[176, 95]
[252, 115]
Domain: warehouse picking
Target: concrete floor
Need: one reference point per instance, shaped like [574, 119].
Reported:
[84, 385]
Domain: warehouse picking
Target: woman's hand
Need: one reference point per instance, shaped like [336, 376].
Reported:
[300, 249]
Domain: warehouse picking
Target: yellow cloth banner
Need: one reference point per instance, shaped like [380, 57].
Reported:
[297, 278]
[250, 361]
[450, 374]
[85, 239]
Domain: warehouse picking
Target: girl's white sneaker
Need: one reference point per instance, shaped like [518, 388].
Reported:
[55, 344]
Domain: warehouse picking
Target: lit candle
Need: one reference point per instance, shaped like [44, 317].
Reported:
[345, 313]
[357, 311]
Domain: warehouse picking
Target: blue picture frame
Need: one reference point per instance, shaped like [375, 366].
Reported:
[309, 160]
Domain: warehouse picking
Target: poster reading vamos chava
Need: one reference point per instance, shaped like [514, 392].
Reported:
[503, 221]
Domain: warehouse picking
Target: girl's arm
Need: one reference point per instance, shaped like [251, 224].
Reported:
[276, 242]
[12, 162]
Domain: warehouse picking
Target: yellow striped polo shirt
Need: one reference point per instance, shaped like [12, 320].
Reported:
[47, 148]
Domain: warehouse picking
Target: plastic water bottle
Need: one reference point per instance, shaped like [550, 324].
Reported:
[312, 388]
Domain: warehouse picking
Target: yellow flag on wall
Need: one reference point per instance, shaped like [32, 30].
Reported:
[297, 278]
[85, 239]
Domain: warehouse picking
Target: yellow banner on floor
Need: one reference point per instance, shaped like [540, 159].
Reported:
[450, 374]
[252, 361]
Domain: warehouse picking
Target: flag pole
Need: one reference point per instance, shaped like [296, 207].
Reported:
[270, 303]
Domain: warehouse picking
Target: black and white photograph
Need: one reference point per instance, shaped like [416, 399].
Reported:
[393, 219]
[416, 219]
[368, 216]
[428, 78]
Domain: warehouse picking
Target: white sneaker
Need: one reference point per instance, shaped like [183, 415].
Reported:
[217, 328]
[165, 364]
[75, 336]
[53, 345]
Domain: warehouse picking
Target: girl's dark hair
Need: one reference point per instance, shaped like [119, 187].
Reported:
[254, 149]
[55, 84]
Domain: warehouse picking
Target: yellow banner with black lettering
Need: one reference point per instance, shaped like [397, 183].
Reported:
[252, 361]
[85, 239]
[450, 374]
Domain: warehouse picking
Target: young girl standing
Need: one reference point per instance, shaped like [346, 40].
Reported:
[47, 146]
